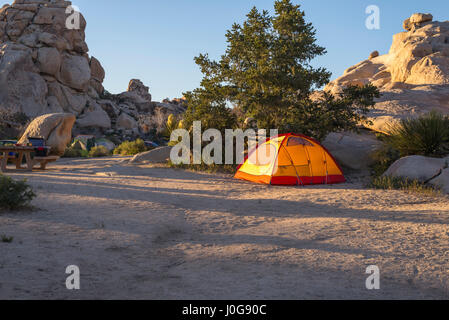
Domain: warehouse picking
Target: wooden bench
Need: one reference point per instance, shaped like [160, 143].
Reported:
[21, 153]
[43, 161]
[4, 162]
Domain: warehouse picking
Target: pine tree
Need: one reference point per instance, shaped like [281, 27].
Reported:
[266, 73]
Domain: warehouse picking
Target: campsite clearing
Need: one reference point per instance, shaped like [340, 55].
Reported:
[147, 232]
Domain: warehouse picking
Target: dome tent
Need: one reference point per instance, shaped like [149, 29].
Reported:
[290, 159]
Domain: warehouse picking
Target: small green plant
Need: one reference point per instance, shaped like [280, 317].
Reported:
[129, 148]
[71, 152]
[427, 135]
[383, 159]
[14, 194]
[404, 184]
[99, 151]
[214, 168]
[6, 239]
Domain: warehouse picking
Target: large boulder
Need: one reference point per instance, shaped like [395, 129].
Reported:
[158, 155]
[413, 76]
[94, 117]
[442, 181]
[419, 168]
[433, 171]
[70, 100]
[49, 61]
[75, 72]
[416, 20]
[22, 89]
[126, 122]
[97, 70]
[352, 150]
[56, 129]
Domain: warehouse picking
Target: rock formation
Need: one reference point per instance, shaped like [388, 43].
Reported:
[353, 151]
[45, 68]
[413, 77]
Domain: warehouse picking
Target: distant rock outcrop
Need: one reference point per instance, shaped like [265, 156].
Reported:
[413, 77]
[45, 68]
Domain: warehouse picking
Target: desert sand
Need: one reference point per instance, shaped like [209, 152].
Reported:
[148, 232]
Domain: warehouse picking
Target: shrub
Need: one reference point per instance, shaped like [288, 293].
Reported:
[6, 239]
[75, 153]
[427, 135]
[404, 184]
[99, 151]
[383, 159]
[14, 194]
[214, 168]
[128, 148]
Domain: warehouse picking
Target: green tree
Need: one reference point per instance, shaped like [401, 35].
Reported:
[266, 73]
[210, 108]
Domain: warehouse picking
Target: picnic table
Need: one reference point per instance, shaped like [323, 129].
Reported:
[20, 152]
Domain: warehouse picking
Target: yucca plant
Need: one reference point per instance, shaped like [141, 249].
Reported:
[427, 135]
[171, 125]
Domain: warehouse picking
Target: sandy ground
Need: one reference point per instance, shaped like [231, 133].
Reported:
[157, 233]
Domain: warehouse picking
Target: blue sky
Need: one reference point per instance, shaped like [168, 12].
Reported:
[156, 41]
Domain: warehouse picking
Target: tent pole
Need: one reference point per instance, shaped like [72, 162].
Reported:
[327, 169]
[291, 161]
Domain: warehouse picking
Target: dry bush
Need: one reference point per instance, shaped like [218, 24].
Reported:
[98, 152]
[129, 148]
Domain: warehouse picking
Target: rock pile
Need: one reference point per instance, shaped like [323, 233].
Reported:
[45, 68]
[413, 77]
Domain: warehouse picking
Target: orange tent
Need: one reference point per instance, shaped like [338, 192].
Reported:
[290, 159]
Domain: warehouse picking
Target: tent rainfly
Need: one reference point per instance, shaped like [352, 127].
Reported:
[290, 159]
